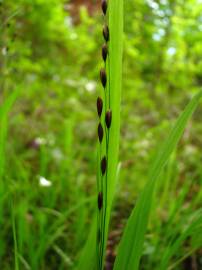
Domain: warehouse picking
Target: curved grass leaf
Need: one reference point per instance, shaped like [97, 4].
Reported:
[192, 228]
[4, 111]
[130, 249]
[87, 259]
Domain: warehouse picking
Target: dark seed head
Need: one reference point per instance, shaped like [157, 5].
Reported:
[108, 118]
[103, 165]
[104, 6]
[100, 200]
[106, 33]
[103, 77]
[104, 52]
[100, 132]
[99, 106]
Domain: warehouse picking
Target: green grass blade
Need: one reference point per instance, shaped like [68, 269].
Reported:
[115, 52]
[68, 262]
[4, 111]
[87, 259]
[14, 237]
[192, 228]
[57, 228]
[130, 249]
[110, 146]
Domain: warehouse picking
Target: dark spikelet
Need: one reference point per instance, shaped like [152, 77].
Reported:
[103, 77]
[104, 52]
[99, 106]
[104, 6]
[100, 132]
[100, 200]
[103, 165]
[106, 33]
[108, 118]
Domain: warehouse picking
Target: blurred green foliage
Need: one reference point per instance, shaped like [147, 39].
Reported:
[54, 63]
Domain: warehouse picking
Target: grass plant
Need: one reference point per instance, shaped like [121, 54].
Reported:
[58, 217]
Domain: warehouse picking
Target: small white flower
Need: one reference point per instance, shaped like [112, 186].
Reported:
[4, 51]
[57, 154]
[190, 150]
[153, 4]
[171, 51]
[90, 86]
[68, 21]
[40, 141]
[43, 182]
[144, 144]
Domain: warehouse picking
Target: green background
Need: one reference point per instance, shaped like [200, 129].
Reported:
[50, 53]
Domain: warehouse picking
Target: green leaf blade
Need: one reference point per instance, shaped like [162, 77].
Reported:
[113, 94]
[130, 249]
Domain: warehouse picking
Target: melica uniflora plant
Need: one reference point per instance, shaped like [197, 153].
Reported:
[105, 119]
[108, 109]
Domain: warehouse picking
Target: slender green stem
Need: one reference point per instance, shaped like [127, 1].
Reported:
[14, 237]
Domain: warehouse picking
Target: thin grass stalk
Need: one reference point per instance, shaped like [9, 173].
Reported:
[14, 235]
[109, 118]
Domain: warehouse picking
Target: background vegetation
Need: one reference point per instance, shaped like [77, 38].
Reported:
[49, 64]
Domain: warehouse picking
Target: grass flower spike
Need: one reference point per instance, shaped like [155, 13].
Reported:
[108, 128]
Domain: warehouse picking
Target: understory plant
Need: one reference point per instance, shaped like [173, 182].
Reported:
[48, 225]
[108, 108]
